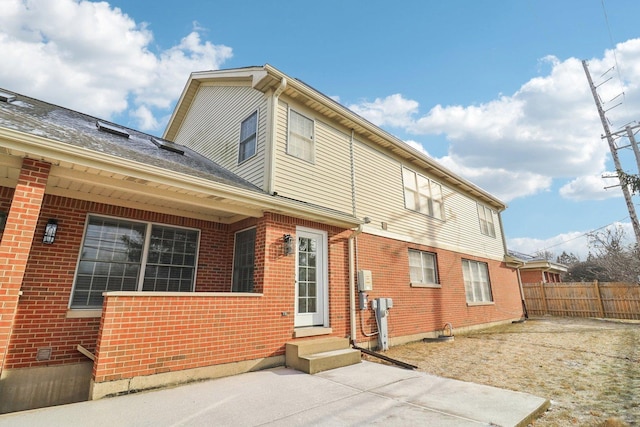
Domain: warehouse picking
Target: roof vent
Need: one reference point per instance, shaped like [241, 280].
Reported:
[116, 130]
[166, 145]
[7, 97]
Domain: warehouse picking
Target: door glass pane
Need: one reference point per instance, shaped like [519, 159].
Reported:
[307, 275]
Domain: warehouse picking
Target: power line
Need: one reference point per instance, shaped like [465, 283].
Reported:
[585, 234]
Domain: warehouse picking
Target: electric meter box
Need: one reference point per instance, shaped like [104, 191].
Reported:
[365, 282]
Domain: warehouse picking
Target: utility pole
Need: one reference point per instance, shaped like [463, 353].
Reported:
[614, 155]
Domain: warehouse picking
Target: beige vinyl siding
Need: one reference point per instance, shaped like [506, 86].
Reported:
[380, 196]
[326, 181]
[212, 127]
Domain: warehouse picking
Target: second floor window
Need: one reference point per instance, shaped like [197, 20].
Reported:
[486, 221]
[422, 194]
[300, 143]
[248, 137]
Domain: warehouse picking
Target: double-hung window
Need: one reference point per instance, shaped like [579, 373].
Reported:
[243, 260]
[122, 255]
[486, 221]
[300, 143]
[248, 137]
[422, 194]
[422, 268]
[476, 281]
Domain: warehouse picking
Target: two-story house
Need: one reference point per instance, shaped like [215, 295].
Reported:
[131, 262]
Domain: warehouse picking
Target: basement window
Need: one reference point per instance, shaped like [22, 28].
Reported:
[166, 145]
[112, 129]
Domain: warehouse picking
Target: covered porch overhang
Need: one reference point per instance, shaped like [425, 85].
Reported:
[88, 175]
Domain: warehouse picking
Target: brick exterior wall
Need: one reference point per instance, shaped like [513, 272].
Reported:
[15, 246]
[422, 310]
[41, 319]
[145, 335]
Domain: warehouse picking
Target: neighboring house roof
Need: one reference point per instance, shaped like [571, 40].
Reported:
[528, 262]
[94, 160]
[267, 78]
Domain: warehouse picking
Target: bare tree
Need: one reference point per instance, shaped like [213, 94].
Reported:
[614, 260]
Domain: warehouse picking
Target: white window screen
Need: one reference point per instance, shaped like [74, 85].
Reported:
[422, 195]
[486, 221]
[476, 281]
[422, 267]
[300, 142]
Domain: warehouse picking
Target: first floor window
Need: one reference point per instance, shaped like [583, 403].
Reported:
[487, 226]
[422, 267]
[476, 281]
[122, 255]
[248, 137]
[244, 261]
[300, 143]
[422, 194]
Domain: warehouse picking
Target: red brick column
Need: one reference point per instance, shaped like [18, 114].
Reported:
[16, 243]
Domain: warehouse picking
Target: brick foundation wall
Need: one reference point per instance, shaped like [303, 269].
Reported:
[422, 310]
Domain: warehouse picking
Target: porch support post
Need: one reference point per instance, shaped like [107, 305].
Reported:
[15, 246]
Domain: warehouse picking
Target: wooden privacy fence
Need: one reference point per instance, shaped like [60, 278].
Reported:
[580, 299]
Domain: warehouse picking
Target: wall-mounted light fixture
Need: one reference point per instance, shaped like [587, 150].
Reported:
[288, 244]
[50, 231]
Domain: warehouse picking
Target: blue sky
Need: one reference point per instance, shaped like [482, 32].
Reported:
[494, 90]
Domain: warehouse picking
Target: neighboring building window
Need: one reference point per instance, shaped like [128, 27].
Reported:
[248, 137]
[476, 281]
[486, 221]
[300, 142]
[422, 267]
[422, 194]
[120, 255]
[243, 261]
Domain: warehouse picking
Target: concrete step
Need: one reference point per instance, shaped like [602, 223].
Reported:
[321, 354]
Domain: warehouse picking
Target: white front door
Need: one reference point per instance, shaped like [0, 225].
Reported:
[311, 278]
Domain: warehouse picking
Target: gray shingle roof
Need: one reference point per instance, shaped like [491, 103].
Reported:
[66, 126]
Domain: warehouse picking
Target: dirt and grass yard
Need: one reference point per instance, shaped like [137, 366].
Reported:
[588, 368]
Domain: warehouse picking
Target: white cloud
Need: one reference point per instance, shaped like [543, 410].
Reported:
[394, 110]
[94, 58]
[591, 187]
[516, 145]
[576, 242]
[145, 118]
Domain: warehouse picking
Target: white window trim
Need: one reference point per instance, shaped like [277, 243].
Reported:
[431, 202]
[486, 214]
[255, 150]
[148, 224]
[422, 284]
[489, 286]
[313, 137]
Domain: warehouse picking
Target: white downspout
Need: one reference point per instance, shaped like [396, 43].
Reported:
[353, 254]
[272, 149]
[352, 283]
